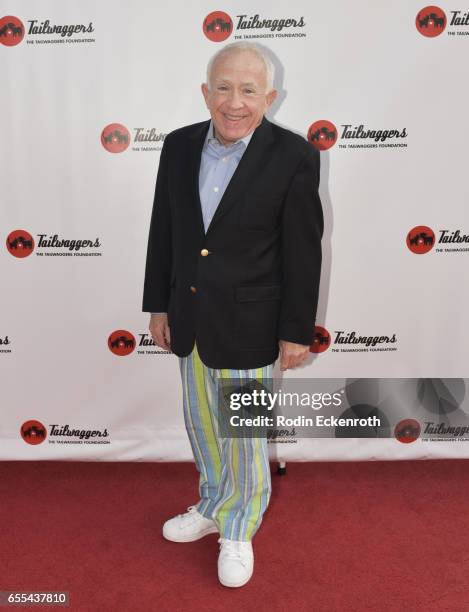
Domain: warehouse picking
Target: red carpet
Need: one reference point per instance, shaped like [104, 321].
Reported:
[377, 536]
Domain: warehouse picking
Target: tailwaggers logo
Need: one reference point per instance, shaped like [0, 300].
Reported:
[422, 239]
[323, 134]
[5, 344]
[218, 26]
[12, 32]
[407, 430]
[432, 21]
[321, 340]
[445, 432]
[350, 342]
[122, 342]
[116, 138]
[20, 243]
[64, 434]
[34, 432]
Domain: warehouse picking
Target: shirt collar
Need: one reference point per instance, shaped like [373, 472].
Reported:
[211, 137]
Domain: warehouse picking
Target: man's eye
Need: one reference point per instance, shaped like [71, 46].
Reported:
[249, 91]
[222, 88]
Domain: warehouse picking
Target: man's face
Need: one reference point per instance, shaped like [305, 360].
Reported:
[237, 98]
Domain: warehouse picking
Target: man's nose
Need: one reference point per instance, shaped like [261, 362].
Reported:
[236, 100]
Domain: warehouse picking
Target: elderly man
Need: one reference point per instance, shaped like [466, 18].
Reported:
[232, 279]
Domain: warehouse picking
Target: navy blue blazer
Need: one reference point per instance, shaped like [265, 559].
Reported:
[253, 278]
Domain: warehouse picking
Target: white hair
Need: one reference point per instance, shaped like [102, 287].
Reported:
[244, 46]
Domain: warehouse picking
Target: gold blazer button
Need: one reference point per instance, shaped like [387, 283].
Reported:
[204, 252]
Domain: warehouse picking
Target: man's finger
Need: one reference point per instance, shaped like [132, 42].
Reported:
[163, 337]
[158, 335]
[167, 336]
[290, 360]
[284, 361]
[159, 339]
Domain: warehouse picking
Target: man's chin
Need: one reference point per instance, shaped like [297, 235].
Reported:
[234, 133]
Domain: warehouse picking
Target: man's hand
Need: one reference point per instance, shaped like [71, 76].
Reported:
[159, 330]
[292, 354]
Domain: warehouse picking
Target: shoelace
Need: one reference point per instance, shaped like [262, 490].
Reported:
[234, 550]
[189, 517]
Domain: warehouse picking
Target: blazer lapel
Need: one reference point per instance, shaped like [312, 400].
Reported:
[194, 156]
[252, 158]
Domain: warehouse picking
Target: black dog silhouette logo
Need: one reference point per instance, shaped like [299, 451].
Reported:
[407, 430]
[121, 342]
[321, 341]
[322, 134]
[420, 239]
[20, 243]
[431, 21]
[115, 138]
[11, 31]
[217, 26]
[33, 432]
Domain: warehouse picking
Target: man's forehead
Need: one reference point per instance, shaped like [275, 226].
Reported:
[243, 76]
[226, 79]
[247, 63]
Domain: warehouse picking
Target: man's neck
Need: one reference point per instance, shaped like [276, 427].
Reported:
[222, 141]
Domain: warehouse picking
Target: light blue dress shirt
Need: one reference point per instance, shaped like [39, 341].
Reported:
[217, 166]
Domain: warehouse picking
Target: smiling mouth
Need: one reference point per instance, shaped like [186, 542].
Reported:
[234, 118]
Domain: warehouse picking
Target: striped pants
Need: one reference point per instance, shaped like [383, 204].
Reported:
[234, 473]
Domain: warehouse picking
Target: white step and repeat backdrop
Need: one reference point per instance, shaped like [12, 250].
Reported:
[89, 90]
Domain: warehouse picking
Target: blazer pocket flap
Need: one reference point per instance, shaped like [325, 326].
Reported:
[257, 294]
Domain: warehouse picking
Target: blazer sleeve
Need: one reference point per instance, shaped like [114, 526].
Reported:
[157, 282]
[302, 230]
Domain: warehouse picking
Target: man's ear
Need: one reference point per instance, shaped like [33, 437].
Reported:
[270, 97]
[205, 92]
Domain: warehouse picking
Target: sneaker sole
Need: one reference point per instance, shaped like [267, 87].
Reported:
[235, 584]
[192, 538]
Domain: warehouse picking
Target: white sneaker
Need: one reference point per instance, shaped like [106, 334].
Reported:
[235, 562]
[188, 527]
